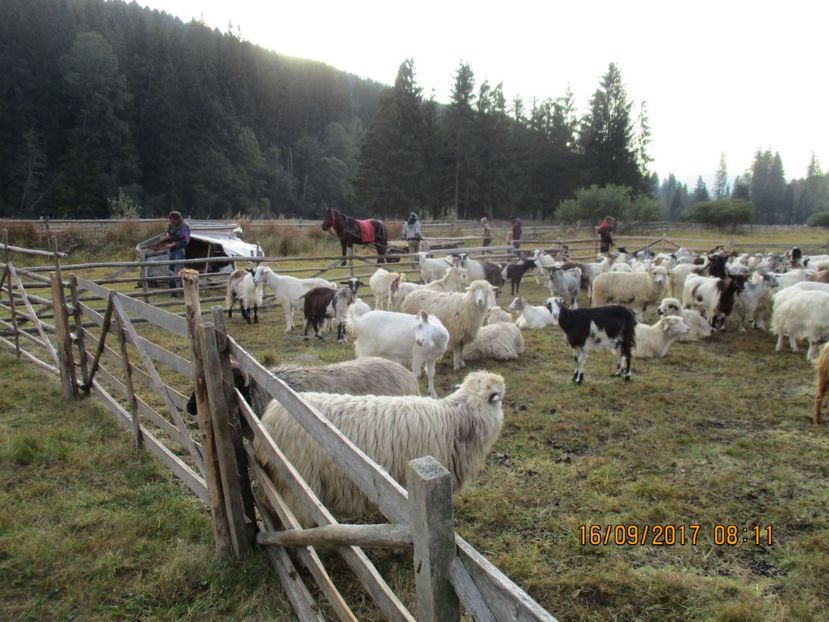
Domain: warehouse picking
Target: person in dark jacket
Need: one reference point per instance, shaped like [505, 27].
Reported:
[515, 235]
[606, 234]
[177, 237]
[486, 231]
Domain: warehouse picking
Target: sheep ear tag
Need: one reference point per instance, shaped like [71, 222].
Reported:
[494, 398]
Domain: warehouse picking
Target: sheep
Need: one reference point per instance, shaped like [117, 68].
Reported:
[372, 375]
[399, 290]
[514, 272]
[600, 328]
[358, 307]
[634, 289]
[241, 287]
[713, 297]
[418, 340]
[822, 365]
[531, 317]
[801, 315]
[432, 269]
[288, 290]
[458, 431]
[381, 283]
[699, 328]
[679, 274]
[787, 279]
[461, 313]
[497, 314]
[565, 283]
[449, 282]
[589, 272]
[755, 302]
[323, 303]
[654, 341]
[501, 341]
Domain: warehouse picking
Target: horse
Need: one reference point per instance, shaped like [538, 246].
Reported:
[352, 231]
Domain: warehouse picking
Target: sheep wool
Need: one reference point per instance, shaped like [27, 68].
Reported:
[458, 430]
[501, 341]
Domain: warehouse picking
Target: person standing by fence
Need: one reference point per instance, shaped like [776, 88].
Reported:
[515, 234]
[606, 234]
[411, 231]
[177, 237]
[486, 232]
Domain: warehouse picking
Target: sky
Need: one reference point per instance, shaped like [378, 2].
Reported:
[723, 77]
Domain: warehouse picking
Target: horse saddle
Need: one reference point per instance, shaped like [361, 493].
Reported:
[366, 231]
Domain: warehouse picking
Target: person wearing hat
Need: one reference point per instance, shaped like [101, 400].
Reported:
[487, 232]
[175, 241]
[606, 234]
[411, 231]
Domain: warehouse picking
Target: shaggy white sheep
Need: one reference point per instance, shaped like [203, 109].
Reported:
[698, 326]
[241, 287]
[461, 313]
[288, 290]
[416, 340]
[654, 341]
[532, 317]
[501, 341]
[431, 269]
[458, 431]
[449, 282]
[497, 314]
[381, 283]
[801, 315]
[633, 289]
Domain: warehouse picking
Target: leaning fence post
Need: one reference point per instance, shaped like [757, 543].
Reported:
[221, 530]
[66, 360]
[433, 532]
[83, 357]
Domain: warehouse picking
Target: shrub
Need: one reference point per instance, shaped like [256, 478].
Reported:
[594, 203]
[818, 219]
[725, 213]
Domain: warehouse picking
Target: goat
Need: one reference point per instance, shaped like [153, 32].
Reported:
[241, 287]
[323, 303]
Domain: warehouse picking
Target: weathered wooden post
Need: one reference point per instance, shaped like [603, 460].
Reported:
[83, 358]
[138, 440]
[221, 530]
[66, 360]
[433, 532]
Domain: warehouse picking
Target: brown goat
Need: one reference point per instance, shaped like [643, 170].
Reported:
[822, 380]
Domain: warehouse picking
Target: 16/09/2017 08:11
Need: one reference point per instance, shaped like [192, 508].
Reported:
[670, 534]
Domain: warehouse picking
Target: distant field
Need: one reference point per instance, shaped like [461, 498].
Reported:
[719, 433]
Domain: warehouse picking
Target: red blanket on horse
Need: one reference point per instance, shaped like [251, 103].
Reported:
[366, 231]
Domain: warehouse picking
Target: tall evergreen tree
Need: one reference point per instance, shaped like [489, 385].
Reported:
[700, 192]
[721, 190]
[460, 130]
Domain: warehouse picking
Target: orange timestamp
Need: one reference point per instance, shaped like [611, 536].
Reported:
[721, 534]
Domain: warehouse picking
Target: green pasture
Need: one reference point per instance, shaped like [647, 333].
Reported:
[717, 434]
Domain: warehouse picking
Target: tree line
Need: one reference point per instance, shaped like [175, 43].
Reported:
[110, 109]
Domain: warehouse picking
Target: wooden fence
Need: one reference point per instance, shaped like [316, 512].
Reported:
[102, 342]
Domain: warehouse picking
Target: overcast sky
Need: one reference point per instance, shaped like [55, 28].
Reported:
[726, 77]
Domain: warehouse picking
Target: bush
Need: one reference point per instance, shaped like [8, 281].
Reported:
[594, 203]
[819, 219]
[725, 213]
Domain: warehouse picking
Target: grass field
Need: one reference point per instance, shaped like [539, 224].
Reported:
[719, 433]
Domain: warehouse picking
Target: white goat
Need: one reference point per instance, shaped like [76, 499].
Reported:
[416, 340]
[432, 268]
[801, 315]
[461, 313]
[532, 317]
[698, 325]
[458, 431]
[288, 290]
[381, 283]
[654, 341]
[754, 302]
[241, 287]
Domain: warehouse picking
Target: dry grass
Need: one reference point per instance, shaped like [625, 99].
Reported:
[719, 432]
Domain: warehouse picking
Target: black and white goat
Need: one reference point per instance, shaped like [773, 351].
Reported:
[323, 303]
[353, 283]
[601, 328]
[514, 272]
[241, 287]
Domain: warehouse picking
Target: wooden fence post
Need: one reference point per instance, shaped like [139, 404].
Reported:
[433, 532]
[66, 360]
[83, 358]
[221, 530]
[133, 403]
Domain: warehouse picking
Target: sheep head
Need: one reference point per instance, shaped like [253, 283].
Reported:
[669, 306]
[674, 326]
[483, 387]
[481, 293]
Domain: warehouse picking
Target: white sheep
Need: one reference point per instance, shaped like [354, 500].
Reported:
[461, 313]
[497, 314]
[399, 291]
[633, 289]
[449, 282]
[654, 341]
[501, 341]
[458, 431]
[432, 268]
[241, 287]
[699, 328]
[417, 340]
[532, 317]
[288, 290]
[382, 282]
[801, 315]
